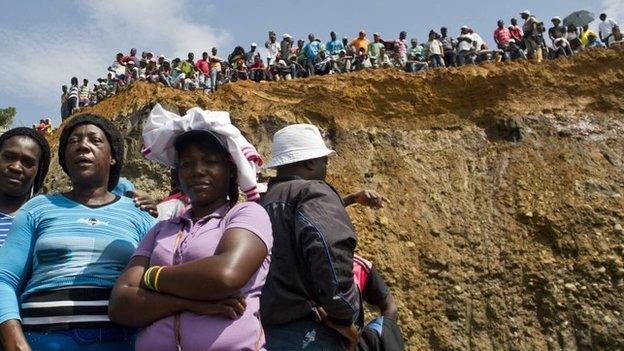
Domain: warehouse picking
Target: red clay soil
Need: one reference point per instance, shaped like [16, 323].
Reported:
[503, 228]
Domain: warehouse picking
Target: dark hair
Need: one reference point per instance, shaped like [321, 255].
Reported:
[112, 135]
[209, 142]
[44, 159]
[74, 81]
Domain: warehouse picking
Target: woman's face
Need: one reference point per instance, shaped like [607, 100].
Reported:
[88, 155]
[19, 163]
[204, 174]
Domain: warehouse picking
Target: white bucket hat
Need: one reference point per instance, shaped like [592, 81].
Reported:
[295, 143]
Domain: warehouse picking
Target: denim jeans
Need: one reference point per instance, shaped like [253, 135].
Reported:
[437, 61]
[303, 334]
[82, 339]
[213, 79]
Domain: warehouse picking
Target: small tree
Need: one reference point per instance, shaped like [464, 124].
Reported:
[6, 117]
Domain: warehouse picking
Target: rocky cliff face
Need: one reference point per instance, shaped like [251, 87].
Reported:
[503, 226]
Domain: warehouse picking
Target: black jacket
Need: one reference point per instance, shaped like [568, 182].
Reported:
[312, 255]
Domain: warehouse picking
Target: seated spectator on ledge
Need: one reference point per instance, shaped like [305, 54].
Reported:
[594, 42]
[515, 51]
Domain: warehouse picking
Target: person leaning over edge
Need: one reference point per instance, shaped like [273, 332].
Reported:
[313, 248]
[64, 251]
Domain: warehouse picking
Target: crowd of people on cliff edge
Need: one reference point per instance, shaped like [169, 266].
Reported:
[225, 262]
[290, 59]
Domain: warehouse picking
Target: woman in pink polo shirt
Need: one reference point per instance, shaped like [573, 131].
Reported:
[194, 282]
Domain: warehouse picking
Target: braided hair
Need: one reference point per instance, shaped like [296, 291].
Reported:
[112, 135]
[44, 158]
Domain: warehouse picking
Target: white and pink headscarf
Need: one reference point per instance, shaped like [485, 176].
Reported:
[163, 127]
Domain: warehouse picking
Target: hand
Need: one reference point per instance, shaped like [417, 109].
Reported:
[368, 198]
[348, 332]
[231, 308]
[145, 203]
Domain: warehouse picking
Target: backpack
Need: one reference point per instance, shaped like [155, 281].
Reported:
[539, 25]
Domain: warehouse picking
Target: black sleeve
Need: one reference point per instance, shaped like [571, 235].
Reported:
[327, 242]
[375, 290]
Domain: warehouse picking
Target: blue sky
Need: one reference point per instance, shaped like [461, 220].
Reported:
[44, 43]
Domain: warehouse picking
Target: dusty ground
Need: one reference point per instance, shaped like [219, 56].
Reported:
[503, 228]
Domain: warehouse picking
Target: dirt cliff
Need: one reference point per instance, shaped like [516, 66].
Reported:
[503, 226]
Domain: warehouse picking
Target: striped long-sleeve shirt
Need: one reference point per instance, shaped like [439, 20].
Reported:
[56, 244]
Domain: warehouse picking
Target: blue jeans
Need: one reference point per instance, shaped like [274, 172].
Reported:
[214, 73]
[87, 339]
[303, 334]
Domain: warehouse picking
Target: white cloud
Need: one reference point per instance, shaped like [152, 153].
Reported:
[614, 9]
[36, 63]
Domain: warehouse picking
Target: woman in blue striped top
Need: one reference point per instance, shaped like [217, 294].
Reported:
[65, 251]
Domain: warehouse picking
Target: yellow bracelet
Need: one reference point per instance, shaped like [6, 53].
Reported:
[146, 277]
[156, 278]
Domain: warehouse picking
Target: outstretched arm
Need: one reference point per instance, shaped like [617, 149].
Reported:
[368, 198]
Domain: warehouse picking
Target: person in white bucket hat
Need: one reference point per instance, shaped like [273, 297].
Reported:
[297, 142]
[313, 245]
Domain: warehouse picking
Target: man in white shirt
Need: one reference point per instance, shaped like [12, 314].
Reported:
[465, 44]
[605, 28]
[272, 47]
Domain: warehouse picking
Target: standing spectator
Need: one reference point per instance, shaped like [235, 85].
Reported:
[374, 48]
[531, 36]
[73, 95]
[465, 45]
[605, 29]
[449, 44]
[85, 92]
[203, 66]
[215, 69]
[360, 42]
[251, 54]
[64, 108]
[334, 46]
[516, 31]
[502, 35]
[435, 50]
[272, 48]
[312, 252]
[311, 50]
[132, 57]
[285, 46]
[119, 68]
[400, 46]
[348, 48]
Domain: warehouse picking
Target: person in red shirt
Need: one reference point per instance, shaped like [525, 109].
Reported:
[257, 71]
[515, 31]
[203, 66]
[502, 35]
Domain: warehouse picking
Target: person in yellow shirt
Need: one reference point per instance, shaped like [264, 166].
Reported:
[360, 42]
[584, 37]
